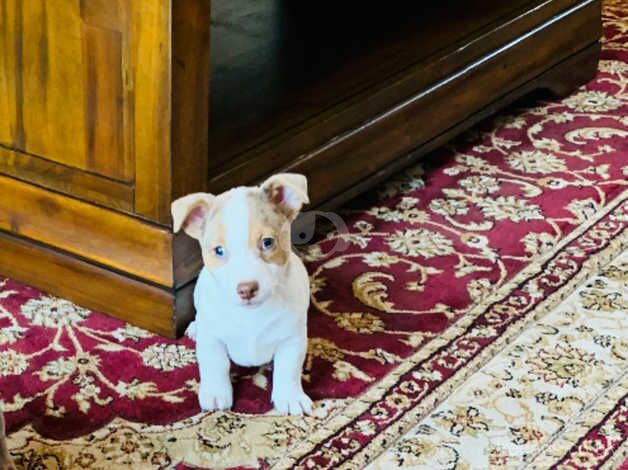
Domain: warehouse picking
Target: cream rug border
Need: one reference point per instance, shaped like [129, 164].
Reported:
[375, 393]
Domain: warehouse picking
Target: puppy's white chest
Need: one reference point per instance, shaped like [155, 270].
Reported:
[251, 335]
[250, 350]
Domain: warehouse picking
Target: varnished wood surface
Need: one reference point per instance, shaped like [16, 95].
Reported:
[113, 89]
[279, 88]
[61, 84]
[294, 88]
[321, 132]
[359, 154]
[284, 63]
[190, 96]
[560, 80]
[87, 285]
[101, 235]
[67, 180]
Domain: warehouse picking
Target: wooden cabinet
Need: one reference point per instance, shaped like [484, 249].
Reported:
[105, 117]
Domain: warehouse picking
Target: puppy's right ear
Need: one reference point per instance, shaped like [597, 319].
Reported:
[190, 213]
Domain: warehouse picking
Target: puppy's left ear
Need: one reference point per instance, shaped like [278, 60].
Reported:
[288, 191]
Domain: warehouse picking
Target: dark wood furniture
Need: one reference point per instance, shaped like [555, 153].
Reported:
[105, 117]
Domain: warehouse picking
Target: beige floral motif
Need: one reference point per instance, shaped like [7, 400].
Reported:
[477, 164]
[379, 259]
[613, 66]
[10, 334]
[583, 209]
[371, 292]
[463, 420]
[48, 460]
[616, 272]
[525, 435]
[130, 449]
[403, 183]
[414, 216]
[449, 207]
[480, 184]
[538, 243]
[135, 390]
[130, 332]
[397, 400]
[509, 207]
[53, 312]
[323, 348]
[12, 363]
[592, 101]
[605, 301]
[56, 369]
[167, 357]
[562, 365]
[363, 323]
[414, 452]
[478, 288]
[420, 242]
[535, 162]
[498, 458]
[88, 392]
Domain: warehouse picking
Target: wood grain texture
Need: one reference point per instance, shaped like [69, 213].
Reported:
[61, 90]
[149, 77]
[560, 79]
[53, 80]
[100, 235]
[438, 53]
[103, 89]
[362, 152]
[88, 285]
[10, 74]
[190, 96]
[345, 114]
[64, 179]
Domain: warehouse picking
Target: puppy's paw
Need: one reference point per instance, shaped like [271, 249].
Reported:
[292, 401]
[190, 331]
[213, 397]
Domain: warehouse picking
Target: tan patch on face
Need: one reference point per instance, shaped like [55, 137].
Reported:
[214, 235]
[266, 221]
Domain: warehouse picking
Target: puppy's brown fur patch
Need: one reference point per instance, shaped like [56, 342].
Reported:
[266, 221]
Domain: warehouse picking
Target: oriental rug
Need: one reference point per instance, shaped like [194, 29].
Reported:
[471, 314]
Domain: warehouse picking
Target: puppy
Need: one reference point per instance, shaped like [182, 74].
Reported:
[252, 294]
[5, 459]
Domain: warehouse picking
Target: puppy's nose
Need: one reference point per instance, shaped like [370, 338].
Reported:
[247, 290]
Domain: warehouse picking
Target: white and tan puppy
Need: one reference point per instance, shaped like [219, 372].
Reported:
[252, 294]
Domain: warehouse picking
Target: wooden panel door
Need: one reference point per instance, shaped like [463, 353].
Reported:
[89, 90]
[62, 83]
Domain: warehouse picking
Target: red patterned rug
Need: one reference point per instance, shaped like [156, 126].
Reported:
[445, 265]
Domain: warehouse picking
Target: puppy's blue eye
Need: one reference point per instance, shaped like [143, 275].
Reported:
[267, 243]
[219, 251]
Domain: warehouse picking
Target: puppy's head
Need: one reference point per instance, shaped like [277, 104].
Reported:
[244, 233]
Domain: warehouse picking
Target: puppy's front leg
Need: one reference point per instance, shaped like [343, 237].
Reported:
[288, 395]
[215, 391]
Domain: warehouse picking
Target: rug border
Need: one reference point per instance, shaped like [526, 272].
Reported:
[438, 396]
[335, 423]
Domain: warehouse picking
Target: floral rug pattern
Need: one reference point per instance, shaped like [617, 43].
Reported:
[525, 405]
[438, 271]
